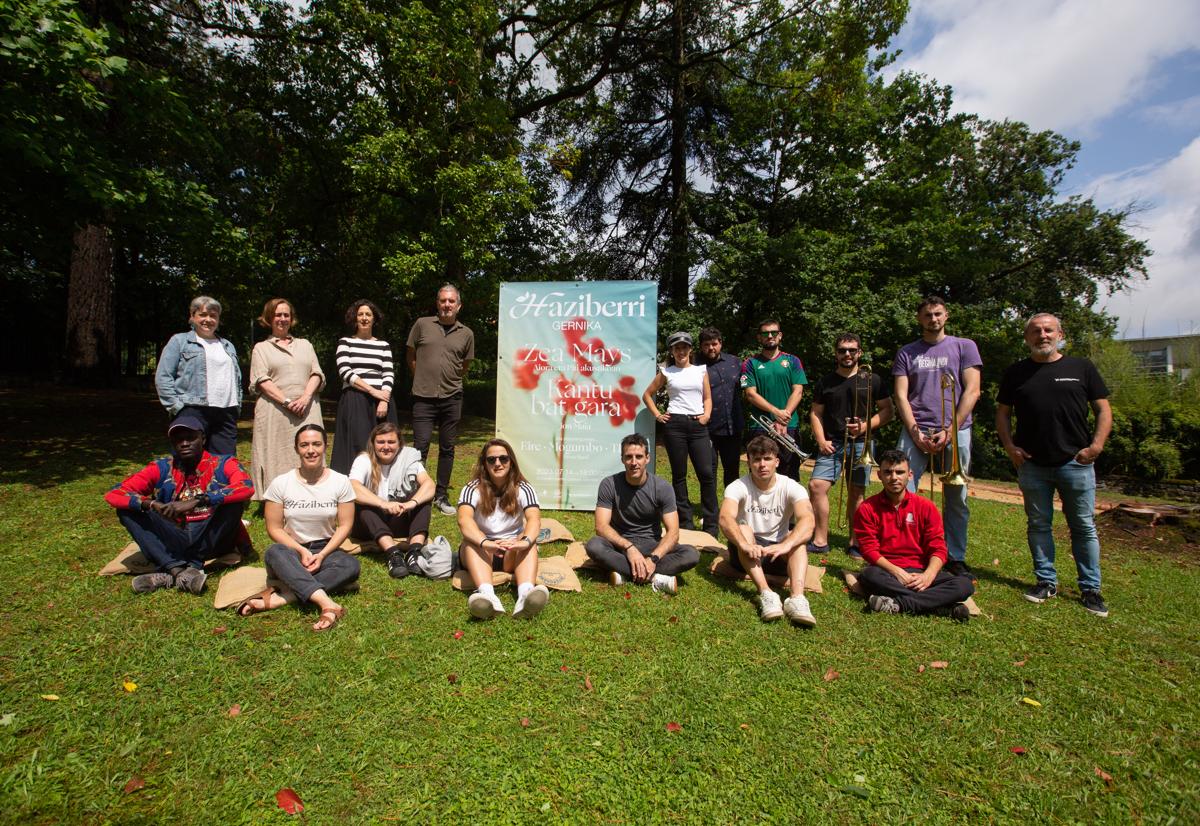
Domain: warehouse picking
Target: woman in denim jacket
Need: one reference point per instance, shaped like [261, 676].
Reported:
[198, 373]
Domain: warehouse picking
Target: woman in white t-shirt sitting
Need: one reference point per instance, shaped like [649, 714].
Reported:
[309, 512]
[393, 494]
[685, 429]
[499, 517]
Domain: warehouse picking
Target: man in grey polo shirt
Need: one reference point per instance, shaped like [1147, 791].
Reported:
[440, 348]
[632, 508]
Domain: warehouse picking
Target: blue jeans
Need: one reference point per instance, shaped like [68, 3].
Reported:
[829, 468]
[955, 513]
[170, 545]
[1076, 484]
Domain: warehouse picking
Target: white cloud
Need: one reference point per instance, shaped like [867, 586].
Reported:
[1055, 64]
[1169, 303]
[1176, 114]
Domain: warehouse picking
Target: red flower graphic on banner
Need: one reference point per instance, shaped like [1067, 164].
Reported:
[529, 366]
[586, 396]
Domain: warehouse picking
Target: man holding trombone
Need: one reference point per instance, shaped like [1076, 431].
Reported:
[937, 380]
[1053, 450]
[848, 406]
[773, 382]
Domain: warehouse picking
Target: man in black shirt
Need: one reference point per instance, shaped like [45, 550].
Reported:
[839, 425]
[1053, 450]
[632, 508]
[725, 424]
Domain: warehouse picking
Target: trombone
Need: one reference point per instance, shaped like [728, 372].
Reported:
[954, 476]
[783, 439]
[866, 460]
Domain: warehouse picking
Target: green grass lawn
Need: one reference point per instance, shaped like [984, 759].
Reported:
[389, 718]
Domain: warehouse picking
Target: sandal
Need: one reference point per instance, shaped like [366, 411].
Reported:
[249, 609]
[330, 615]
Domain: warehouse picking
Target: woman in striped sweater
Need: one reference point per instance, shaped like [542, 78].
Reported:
[365, 365]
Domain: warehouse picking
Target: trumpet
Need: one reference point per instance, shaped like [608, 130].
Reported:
[955, 475]
[784, 440]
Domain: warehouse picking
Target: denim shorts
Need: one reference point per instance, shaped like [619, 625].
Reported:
[828, 467]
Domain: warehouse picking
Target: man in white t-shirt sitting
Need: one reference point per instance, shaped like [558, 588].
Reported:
[754, 516]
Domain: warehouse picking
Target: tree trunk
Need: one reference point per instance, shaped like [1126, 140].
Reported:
[678, 267]
[91, 323]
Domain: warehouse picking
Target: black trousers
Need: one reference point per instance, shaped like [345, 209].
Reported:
[445, 414]
[685, 437]
[729, 450]
[946, 589]
[220, 428]
[374, 523]
[682, 558]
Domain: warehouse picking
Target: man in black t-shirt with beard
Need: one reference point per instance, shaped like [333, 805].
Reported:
[1054, 451]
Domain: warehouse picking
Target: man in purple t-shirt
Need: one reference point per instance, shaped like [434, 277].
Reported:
[918, 371]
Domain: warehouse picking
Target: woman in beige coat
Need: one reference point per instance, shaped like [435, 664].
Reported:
[287, 377]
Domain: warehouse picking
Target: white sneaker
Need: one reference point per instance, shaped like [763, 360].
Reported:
[770, 608]
[797, 610]
[615, 579]
[664, 584]
[483, 606]
[532, 603]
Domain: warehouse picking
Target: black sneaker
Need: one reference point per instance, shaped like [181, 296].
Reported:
[956, 567]
[412, 559]
[1041, 592]
[853, 552]
[397, 569]
[959, 612]
[1094, 603]
[883, 605]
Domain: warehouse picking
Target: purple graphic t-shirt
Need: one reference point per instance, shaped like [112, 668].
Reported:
[924, 365]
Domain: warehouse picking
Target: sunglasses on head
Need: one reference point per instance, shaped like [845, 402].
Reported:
[502, 459]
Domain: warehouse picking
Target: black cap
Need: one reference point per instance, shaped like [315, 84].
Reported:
[189, 420]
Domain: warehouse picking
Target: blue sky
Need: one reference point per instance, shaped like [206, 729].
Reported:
[1123, 78]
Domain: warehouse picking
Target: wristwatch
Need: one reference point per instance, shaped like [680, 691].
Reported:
[655, 558]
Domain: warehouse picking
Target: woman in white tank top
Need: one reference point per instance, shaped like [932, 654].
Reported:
[684, 428]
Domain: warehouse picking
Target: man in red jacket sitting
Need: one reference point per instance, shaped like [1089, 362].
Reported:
[184, 509]
[901, 538]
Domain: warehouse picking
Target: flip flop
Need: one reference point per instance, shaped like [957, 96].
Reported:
[332, 615]
[248, 609]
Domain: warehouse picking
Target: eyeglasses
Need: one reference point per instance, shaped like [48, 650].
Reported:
[847, 350]
[497, 460]
[769, 333]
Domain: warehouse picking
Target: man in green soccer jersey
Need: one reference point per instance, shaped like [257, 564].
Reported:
[772, 383]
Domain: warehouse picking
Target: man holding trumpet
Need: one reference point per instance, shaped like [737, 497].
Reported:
[937, 380]
[848, 406]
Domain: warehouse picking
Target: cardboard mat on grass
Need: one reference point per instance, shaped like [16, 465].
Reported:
[812, 576]
[553, 571]
[131, 561]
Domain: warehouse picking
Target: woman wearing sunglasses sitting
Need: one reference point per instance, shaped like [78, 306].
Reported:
[499, 517]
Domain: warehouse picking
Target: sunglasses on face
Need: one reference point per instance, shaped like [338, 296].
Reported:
[847, 350]
[769, 333]
[497, 460]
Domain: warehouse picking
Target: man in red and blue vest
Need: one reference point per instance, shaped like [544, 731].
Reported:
[184, 509]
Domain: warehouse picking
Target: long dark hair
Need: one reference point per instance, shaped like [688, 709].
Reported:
[506, 496]
[379, 430]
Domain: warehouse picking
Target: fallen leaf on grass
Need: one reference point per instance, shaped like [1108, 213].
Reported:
[857, 791]
[452, 678]
[824, 561]
[234, 710]
[50, 697]
[587, 682]
[563, 668]
[830, 676]
[1019, 663]
[626, 595]
[995, 562]
[289, 801]
[135, 783]
[458, 635]
[1017, 750]
[1103, 775]
[220, 629]
[673, 726]
[1029, 701]
[130, 686]
[524, 722]
[399, 593]
[7, 719]
[744, 726]
[920, 669]
[674, 619]
[939, 664]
